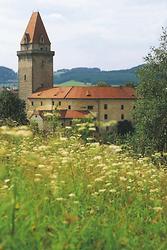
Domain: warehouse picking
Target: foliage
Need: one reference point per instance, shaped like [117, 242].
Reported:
[124, 127]
[94, 75]
[84, 128]
[53, 120]
[58, 193]
[11, 107]
[102, 84]
[151, 108]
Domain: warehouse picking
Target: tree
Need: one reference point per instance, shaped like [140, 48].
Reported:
[102, 84]
[124, 127]
[151, 108]
[11, 107]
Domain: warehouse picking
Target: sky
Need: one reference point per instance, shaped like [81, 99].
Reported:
[109, 34]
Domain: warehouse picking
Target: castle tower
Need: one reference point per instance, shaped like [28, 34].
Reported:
[35, 59]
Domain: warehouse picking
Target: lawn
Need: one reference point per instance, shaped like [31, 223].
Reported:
[58, 193]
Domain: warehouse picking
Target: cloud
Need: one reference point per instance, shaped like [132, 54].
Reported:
[108, 34]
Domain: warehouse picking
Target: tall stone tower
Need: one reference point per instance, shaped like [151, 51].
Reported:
[35, 59]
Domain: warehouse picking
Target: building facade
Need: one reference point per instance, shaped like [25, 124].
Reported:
[104, 104]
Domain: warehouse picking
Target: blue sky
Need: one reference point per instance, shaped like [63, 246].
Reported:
[93, 33]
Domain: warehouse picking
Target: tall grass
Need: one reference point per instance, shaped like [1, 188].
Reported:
[57, 193]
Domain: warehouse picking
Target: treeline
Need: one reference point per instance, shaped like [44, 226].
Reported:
[94, 75]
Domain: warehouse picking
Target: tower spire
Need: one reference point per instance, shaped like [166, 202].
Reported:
[35, 32]
[35, 59]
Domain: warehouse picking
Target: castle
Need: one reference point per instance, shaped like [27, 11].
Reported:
[35, 71]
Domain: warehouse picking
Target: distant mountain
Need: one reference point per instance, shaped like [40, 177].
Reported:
[94, 75]
[7, 75]
[85, 75]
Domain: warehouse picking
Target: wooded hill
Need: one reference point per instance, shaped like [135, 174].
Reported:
[85, 75]
[7, 75]
[94, 75]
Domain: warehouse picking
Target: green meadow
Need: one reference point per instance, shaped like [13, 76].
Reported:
[72, 83]
[59, 193]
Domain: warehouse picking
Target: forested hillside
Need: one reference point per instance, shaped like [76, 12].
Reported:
[86, 75]
[7, 75]
[94, 75]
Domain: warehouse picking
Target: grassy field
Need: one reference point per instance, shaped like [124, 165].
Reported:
[58, 193]
[72, 83]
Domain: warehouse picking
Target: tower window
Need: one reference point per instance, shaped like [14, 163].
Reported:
[53, 103]
[105, 106]
[41, 103]
[69, 107]
[122, 107]
[32, 103]
[105, 117]
[42, 39]
[25, 77]
[59, 103]
[122, 117]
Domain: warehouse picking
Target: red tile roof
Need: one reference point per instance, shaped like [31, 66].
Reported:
[86, 93]
[35, 29]
[101, 93]
[54, 93]
[74, 114]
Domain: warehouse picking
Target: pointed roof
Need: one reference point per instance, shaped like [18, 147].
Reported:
[35, 32]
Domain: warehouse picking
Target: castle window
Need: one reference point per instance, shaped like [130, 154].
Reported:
[122, 117]
[59, 103]
[42, 39]
[105, 106]
[90, 107]
[32, 103]
[53, 103]
[41, 103]
[122, 107]
[105, 117]
[69, 107]
[25, 77]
